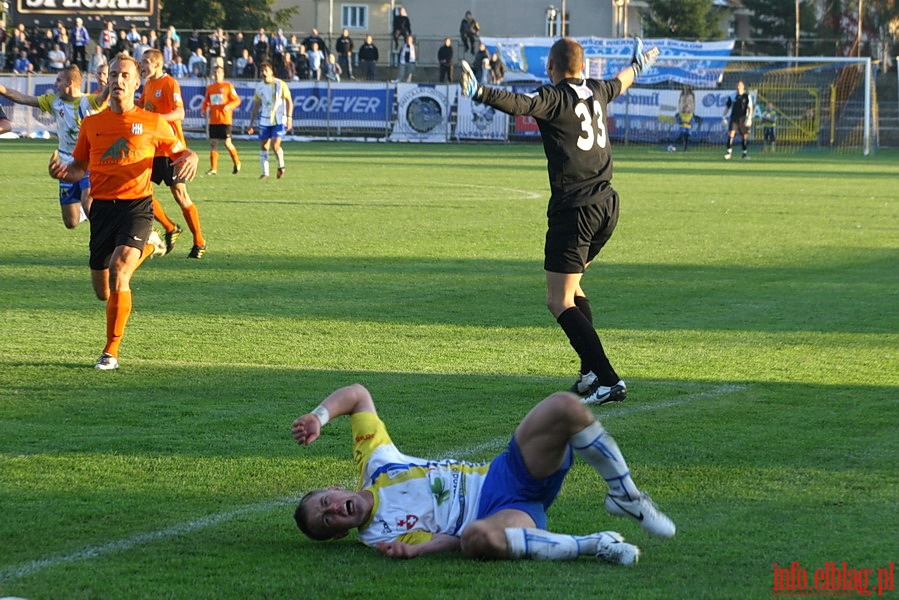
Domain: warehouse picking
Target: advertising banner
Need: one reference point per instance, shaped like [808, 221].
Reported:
[422, 113]
[649, 115]
[348, 105]
[353, 106]
[476, 121]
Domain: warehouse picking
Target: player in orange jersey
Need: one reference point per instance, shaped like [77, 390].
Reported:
[220, 103]
[162, 94]
[117, 147]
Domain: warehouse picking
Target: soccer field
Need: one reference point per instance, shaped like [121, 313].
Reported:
[751, 306]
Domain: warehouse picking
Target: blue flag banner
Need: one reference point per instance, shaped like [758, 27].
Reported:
[525, 58]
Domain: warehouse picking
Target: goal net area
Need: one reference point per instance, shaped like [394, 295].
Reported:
[803, 102]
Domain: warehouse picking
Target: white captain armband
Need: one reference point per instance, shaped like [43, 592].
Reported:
[322, 413]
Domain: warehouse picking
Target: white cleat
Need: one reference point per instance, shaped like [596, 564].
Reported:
[583, 384]
[107, 362]
[612, 549]
[645, 512]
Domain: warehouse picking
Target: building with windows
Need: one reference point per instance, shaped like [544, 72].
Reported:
[497, 18]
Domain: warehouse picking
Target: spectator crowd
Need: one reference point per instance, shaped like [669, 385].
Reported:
[294, 58]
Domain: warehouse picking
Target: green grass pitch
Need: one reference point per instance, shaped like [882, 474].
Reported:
[750, 306]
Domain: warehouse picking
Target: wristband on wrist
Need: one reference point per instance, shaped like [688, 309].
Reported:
[322, 413]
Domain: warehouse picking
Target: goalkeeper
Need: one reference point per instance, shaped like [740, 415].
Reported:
[583, 207]
[738, 117]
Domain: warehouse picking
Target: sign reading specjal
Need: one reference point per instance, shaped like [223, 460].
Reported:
[115, 5]
[43, 13]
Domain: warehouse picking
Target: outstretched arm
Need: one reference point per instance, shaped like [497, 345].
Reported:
[18, 97]
[641, 61]
[344, 401]
[441, 542]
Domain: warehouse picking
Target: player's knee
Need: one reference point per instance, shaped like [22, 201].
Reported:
[567, 411]
[555, 306]
[483, 541]
[179, 192]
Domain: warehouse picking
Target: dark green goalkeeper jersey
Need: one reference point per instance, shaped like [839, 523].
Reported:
[572, 119]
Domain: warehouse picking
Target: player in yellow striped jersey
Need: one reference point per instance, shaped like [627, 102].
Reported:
[69, 106]
[273, 106]
[406, 506]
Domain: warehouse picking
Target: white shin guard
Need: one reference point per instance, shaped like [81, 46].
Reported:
[537, 544]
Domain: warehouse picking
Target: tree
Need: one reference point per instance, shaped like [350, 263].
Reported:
[773, 24]
[682, 19]
[236, 15]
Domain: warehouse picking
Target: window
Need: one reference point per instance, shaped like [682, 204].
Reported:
[354, 16]
[551, 28]
[554, 25]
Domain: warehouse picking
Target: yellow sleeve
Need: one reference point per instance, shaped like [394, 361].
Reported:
[416, 537]
[369, 432]
[92, 100]
[45, 102]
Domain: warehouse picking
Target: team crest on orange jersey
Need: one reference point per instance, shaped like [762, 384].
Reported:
[119, 150]
[137, 128]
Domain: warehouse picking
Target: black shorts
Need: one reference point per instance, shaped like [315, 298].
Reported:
[118, 223]
[770, 136]
[575, 236]
[738, 125]
[163, 171]
[219, 132]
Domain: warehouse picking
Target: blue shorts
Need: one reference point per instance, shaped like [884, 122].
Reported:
[509, 485]
[267, 132]
[70, 193]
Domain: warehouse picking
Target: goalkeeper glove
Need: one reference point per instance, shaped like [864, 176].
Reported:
[468, 82]
[643, 61]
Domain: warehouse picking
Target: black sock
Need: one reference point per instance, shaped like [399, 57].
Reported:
[585, 341]
[583, 304]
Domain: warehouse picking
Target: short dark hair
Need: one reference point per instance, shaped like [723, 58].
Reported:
[568, 55]
[301, 516]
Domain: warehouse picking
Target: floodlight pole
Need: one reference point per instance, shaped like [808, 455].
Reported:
[390, 19]
[330, 23]
[796, 51]
[858, 35]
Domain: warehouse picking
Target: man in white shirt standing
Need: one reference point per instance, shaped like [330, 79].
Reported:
[273, 105]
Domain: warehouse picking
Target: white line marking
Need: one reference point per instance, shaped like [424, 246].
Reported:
[10, 573]
[16, 572]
